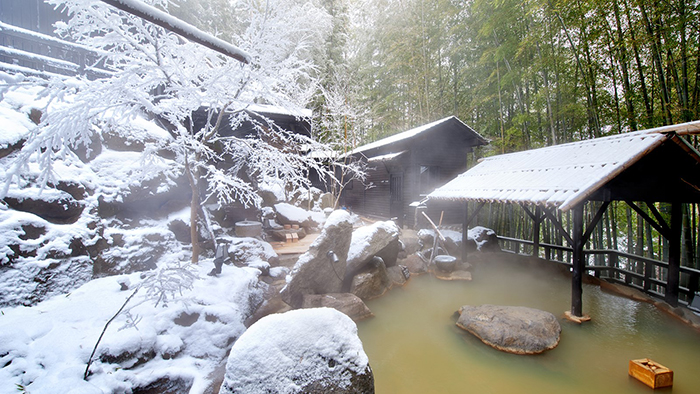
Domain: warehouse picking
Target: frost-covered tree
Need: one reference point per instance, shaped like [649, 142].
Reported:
[159, 75]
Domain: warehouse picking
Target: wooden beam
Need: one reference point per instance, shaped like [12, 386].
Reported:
[179, 27]
[553, 218]
[594, 221]
[662, 227]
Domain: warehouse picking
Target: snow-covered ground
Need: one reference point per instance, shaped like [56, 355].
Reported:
[45, 348]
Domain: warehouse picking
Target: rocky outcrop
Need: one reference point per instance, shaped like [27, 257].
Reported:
[322, 268]
[59, 207]
[347, 303]
[512, 329]
[153, 198]
[301, 351]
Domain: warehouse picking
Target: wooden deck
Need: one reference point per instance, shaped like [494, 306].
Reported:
[299, 247]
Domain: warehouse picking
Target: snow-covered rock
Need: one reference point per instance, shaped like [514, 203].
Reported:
[479, 238]
[301, 351]
[289, 214]
[370, 241]
[322, 268]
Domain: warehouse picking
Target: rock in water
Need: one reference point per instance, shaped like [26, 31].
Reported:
[512, 329]
[300, 351]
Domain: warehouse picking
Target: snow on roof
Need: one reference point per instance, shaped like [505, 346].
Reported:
[275, 109]
[559, 176]
[409, 134]
[387, 157]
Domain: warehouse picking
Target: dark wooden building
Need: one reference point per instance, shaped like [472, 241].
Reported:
[406, 167]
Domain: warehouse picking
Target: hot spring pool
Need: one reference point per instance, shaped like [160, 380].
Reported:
[414, 346]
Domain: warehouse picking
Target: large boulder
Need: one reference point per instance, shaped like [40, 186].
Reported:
[321, 269]
[300, 351]
[373, 240]
[512, 329]
[347, 303]
[372, 282]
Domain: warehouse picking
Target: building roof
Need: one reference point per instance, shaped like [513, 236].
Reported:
[564, 175]
[406, 135]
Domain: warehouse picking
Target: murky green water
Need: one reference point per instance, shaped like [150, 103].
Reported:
[414, 346]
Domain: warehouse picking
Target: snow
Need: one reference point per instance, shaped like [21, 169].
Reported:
[473, 233]
[410, 134]
[362, 236]
[282, 353]
[45, 348]
[300, 215]
[276, 109]
[14, 120]
[559, 176]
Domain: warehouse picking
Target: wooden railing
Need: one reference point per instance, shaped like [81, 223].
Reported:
[27, 51]
[643, 273]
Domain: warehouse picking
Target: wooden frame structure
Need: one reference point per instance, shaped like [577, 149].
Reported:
[650, 166]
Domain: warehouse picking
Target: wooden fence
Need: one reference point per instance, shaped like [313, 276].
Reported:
[643, 273]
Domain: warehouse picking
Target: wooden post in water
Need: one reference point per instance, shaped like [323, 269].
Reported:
[577, 263]
[674, 255]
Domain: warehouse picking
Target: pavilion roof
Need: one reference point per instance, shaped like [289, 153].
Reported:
[558, 176]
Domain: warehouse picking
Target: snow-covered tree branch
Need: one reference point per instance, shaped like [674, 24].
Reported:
[159, 76]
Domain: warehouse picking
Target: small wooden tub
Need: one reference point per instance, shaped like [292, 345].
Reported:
[651, 373]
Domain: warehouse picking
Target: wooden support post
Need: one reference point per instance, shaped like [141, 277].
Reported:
[674, 255]
[465, 231]
[536, 232]
[578, 264]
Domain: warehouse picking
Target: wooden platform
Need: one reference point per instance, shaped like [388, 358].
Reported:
[298, 247]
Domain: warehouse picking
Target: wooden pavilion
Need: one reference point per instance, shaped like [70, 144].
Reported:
[649, 166]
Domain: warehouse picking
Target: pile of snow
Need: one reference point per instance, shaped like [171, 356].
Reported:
[15, 106]
[45, 349]
[299, 215]
[283, 353]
